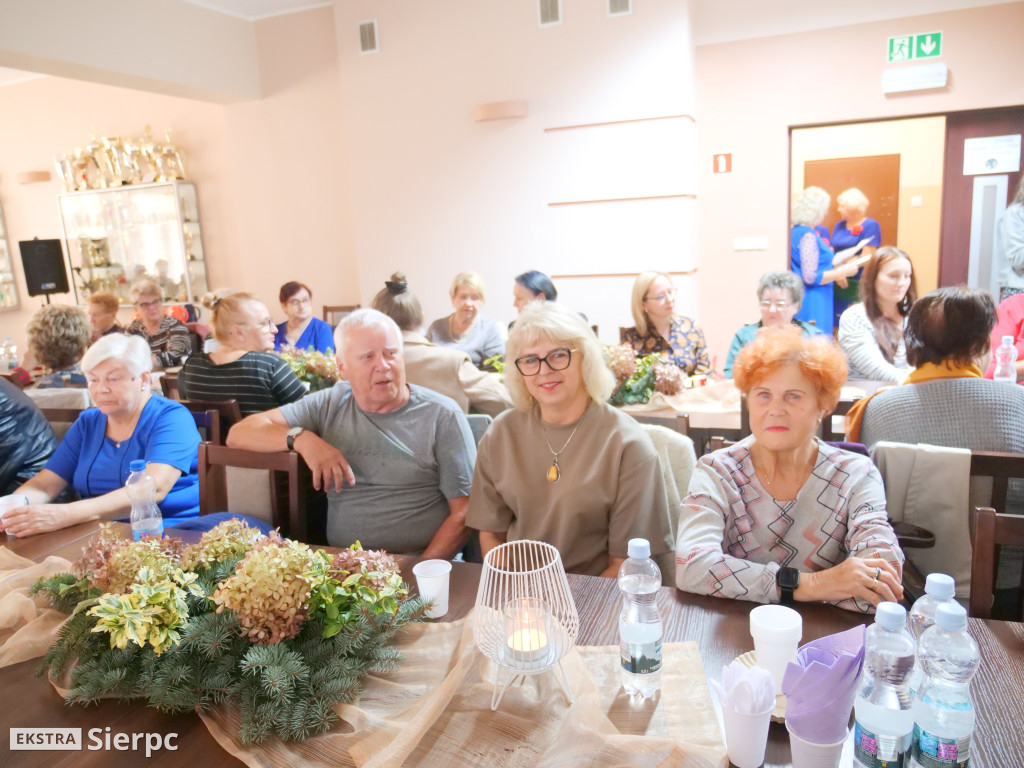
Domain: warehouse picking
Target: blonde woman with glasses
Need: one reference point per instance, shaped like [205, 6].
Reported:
[659, 330]
[168, 338]
[565, 467]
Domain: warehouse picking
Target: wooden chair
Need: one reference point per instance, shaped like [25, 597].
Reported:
[333, 313]
[990, 531]
[208, 423]
[61, 419]
[287, 509]
[227, 410]
[1001, 468]
[169, 385]
[679, 423]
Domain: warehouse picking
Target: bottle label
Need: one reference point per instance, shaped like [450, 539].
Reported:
[932, 751]
[877, 750]
[640, 658]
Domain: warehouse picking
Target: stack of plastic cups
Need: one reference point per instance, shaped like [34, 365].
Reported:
[776, 630]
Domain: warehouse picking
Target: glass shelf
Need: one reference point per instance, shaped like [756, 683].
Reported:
[9, 298]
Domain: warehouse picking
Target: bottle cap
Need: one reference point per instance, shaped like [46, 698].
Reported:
[951, 617]
[940, 586]
[639, 549]
[1007, 339]
[891, 616]
[139, 465]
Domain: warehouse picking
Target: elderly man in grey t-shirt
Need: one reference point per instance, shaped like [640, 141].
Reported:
[403, 453]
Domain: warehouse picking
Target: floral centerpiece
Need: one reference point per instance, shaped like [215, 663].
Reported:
[317, 369]
[640, 377]
[269, 625]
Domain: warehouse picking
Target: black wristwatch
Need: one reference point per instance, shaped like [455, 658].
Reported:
[787, 580]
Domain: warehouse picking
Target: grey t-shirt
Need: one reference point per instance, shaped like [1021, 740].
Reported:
[407, 464]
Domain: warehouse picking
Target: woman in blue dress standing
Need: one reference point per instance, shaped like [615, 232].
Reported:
[853, 228]
[301, 330]
[811, 258]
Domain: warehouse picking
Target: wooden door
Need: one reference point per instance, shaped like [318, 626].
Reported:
[958, 190]
[877, 176]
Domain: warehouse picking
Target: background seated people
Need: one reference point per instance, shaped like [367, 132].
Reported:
[811, 258]
[565, 467]
[466, 329]
[441, 369]
[301, 330]
[395, 459]
[945, 400]
[853, 228]
[782, 499]
[1009, 322]
[659, 330]
[102, 310]
[871, 333]
[58, 335]
[26, 438]
[168, 338]
[778, 295]
[1009, 246]
[532, 286]
[129, 423]
[242, 367]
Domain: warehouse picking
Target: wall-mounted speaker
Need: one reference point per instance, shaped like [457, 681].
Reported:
[43, 261]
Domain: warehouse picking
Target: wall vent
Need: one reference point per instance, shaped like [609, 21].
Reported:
[620, 7]
[369, 42]
[550, 12]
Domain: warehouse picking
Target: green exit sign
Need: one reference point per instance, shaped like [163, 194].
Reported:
[911, 47]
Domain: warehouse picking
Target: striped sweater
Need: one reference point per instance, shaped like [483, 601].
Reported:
[259, 381]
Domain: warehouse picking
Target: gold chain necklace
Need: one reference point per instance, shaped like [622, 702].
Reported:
[554, 472]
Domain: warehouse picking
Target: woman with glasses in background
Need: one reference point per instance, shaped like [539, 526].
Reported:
[565, 467]
[301, 330]
[659, 330]
[168, 338]
[779, 295]
[243, 366]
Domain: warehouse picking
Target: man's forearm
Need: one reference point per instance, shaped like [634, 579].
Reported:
[453, 534]
[258, 433]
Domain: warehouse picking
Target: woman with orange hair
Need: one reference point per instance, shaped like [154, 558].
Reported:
[782, 516]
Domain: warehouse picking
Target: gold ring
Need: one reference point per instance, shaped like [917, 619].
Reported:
[873, 582]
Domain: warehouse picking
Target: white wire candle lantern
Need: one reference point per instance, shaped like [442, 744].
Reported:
[525, 619]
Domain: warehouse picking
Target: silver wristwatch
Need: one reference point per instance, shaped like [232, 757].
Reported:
[292, 434]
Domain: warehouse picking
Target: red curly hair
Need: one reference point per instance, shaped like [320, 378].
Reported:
[820, 361]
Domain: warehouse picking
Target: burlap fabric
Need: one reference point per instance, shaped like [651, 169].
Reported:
[434, 710]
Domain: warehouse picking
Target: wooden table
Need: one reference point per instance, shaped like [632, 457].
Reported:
[719, 627]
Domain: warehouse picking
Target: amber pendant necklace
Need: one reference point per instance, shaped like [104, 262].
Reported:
[554, 472]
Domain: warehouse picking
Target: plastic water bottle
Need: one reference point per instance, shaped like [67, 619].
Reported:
[1006, 356]
[883, 709]
[640, 622]
[4, 355]
[943, 713]
[938, 590]
[8, 355]
[141, 487]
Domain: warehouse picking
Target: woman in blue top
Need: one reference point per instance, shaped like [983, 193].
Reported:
[853, 228]
[301, 330]
[129, 423]
[812, 259]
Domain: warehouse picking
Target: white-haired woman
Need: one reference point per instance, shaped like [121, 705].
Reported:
[811, 258]
[466, 329]
[168, 338]
[564, 466]
[659, 330]
[852, 229]
[128, 424]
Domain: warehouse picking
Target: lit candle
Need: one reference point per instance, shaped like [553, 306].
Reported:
[526, 637]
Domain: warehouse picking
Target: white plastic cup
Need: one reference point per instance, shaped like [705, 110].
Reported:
[9, 502]
[746, 736]
[809, 755]
[776, 630]
[432, 583]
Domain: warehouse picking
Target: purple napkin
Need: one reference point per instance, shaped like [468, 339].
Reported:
[821, 684]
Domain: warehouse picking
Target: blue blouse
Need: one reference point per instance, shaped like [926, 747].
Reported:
[166, 434]
[318, 335]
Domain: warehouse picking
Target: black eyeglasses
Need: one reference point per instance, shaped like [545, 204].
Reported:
[557, 360]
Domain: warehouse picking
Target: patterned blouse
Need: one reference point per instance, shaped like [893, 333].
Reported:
[685, 346]
[171, 343]
[733, 536]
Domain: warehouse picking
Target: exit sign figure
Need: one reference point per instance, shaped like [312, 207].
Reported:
[927, 45]
[722, 163]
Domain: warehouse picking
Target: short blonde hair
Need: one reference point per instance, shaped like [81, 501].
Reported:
[228, 310]
[58, 335]
[559, 325]
[640, 285]
[810, 208]
[473, 280]
[854, 197]
[130, 350]
[147, 286]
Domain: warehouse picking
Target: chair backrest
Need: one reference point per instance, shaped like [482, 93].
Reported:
[229, 412]
[333, 313]
[679, 423]
[61, 419]
[287, 505]
[169, 385]
[1001, 467]
[990, 532]
[208, 424]
[677, 460]
[478, 424]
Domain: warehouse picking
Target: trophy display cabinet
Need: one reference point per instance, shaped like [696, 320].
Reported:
[8, 290]
[117, 235]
